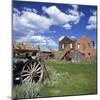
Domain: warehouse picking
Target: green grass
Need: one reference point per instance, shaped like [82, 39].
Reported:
[66, 79]
[73, 79]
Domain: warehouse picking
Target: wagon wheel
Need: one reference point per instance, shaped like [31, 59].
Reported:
[32, 72]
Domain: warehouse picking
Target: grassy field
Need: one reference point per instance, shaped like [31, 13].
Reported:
[70, 79]
[66, 79]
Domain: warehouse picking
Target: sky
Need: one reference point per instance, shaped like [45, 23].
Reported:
[45, 24]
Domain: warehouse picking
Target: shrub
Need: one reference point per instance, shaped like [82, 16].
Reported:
[26, 90]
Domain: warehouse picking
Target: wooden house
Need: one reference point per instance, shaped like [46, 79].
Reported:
[66, 42]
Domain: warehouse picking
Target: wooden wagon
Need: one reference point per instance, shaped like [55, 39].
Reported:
[28, 67]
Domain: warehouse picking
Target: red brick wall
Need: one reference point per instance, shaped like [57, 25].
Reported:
[86, 47]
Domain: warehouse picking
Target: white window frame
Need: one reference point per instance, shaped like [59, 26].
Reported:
[71, 46]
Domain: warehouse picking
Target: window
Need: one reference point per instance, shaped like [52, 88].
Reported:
[93, 43]
[62, 46]
[89, 54]
[71, 45]
[78, 45]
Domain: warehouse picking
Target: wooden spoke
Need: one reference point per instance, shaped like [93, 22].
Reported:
[25, 71]
[38, 72]
[26, 79]
[28, 67]
[31, 66]
[34, 64]
[37, 66]
[29, 79]
[38, 75]
[25, 75]
[38, 69]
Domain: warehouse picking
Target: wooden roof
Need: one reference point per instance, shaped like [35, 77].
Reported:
[65, 39]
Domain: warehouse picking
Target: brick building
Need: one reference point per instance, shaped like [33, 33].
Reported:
[76, 50]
